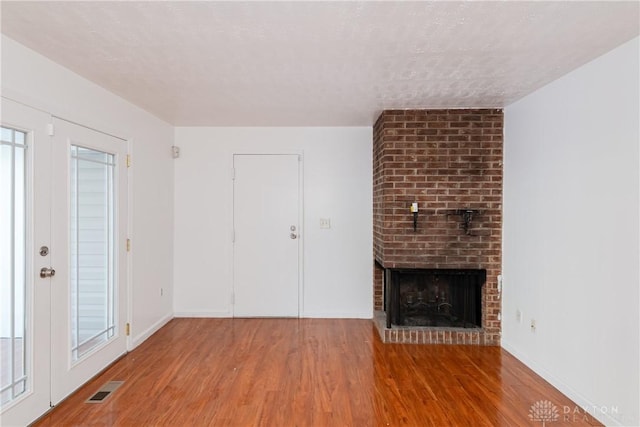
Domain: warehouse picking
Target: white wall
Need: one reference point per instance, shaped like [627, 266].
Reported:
[35, 80]
[337, 185]
[571, 234]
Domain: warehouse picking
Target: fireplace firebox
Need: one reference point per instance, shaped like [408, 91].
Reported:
[434, 297]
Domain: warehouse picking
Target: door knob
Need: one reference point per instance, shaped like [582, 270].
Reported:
[47, 272]
[293, 235]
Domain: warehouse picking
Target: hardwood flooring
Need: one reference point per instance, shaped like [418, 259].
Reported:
[309, 372]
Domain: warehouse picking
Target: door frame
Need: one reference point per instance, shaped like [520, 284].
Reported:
[129, 284]
[301, 227]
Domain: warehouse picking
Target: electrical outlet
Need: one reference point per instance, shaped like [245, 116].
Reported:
[518, 316]
[533, 325]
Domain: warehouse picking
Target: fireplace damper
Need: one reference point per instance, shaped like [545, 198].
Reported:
[434, 297]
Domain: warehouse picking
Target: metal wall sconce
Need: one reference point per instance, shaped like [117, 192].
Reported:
[467, 216]
[414, 211]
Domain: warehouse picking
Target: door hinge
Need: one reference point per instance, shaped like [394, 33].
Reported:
[128, 245]
[50, 129]
[127, 329]
[128, 160]
[233, 174]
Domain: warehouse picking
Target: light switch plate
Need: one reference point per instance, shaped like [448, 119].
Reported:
[325, 223]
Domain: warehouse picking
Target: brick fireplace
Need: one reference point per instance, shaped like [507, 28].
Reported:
[449, 162]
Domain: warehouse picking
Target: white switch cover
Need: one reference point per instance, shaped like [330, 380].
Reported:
[325, 223]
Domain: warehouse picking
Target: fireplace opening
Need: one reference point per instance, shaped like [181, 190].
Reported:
[434, 297]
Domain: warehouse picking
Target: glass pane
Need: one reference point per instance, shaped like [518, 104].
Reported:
[20, 265]
[13, 253]
[7, 134]
[92, 249]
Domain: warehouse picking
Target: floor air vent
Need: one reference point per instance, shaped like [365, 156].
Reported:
[104, 392]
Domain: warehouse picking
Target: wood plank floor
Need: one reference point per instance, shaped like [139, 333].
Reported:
[308, 372]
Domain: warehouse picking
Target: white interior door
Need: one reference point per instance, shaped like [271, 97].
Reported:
[25, 161]
[89, 237]
[266, 212]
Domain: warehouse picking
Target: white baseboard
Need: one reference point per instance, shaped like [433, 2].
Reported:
[584, 404]
[141, 337]
[203, 314]
[368, 315]
[228, 314]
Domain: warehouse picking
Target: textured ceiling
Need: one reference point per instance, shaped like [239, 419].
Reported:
[317, 63]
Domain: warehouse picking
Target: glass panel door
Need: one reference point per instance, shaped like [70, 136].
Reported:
[13, 267]
[63, 259]
[25, 233]
[89, 227]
